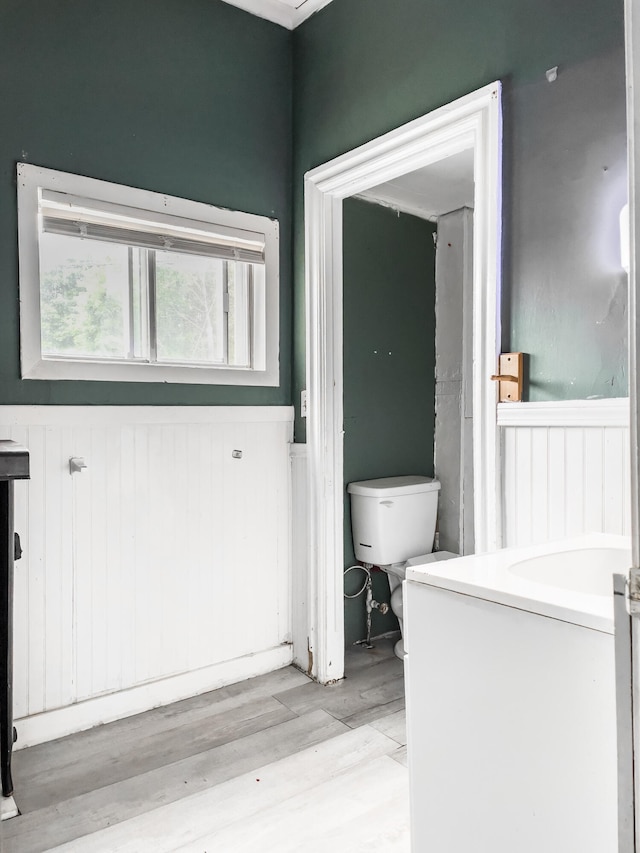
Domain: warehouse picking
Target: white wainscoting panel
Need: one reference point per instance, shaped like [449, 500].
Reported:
[164, 562]
[566, 469]
[300, 556]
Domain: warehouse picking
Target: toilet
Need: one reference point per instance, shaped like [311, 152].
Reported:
[393, 523]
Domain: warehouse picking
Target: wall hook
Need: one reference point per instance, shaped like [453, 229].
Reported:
[76, 464]
[509, 377]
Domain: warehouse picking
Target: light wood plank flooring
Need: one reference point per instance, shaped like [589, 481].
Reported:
[275, 764]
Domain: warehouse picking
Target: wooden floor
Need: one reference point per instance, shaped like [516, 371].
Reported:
[276, 764]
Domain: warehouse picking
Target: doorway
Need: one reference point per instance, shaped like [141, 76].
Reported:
[435, 284]
[407, 311]
[470, 123]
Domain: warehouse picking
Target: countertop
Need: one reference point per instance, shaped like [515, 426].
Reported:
[487, 576]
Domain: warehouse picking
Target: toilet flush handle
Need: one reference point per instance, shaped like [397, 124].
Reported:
[386, 503]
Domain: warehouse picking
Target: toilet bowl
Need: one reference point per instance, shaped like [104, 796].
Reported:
[396, 574]
[393, 522]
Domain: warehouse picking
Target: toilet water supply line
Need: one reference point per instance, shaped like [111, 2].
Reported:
[371, 603]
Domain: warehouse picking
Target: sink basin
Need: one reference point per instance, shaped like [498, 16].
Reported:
[584, 570]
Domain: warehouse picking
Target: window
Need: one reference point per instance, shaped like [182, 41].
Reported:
[123, 284]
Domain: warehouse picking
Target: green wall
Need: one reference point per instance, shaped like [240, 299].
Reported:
[186, 97]
[566, 292]
[389, 365]
[198, 99]
[364, 67]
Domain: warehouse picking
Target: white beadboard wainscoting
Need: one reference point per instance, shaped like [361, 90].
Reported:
[160, 571]
[566, 469]
[300, 557]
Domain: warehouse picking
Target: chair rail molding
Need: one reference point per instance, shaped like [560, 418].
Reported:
[612, 411]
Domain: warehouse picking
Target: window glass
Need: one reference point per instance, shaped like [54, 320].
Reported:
[95, 303]
[190, 324]
[84, 296]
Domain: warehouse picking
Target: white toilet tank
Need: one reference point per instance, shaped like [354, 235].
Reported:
[393, 518]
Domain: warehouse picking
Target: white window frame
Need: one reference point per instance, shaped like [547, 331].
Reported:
[264, 370]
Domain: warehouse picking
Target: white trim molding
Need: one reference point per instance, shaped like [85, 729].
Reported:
[61, 722]
[473, 122]
[84, 416]
[612, 412]
[299, 557]
[627, 678]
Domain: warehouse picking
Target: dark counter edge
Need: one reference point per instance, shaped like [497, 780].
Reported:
[14, 461]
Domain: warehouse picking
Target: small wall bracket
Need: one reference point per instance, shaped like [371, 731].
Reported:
[509, 377]
[76, 464]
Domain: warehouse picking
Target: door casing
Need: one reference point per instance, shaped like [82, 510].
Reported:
[472, 122]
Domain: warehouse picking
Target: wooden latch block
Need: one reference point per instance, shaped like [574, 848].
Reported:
[509, 377]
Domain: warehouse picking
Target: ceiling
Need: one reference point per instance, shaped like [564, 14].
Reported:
[287, 13]
[431, 191]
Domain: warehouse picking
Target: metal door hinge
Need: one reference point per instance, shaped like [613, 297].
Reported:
[633, 592]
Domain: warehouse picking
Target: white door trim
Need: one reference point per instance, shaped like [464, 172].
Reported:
[628, 666]
[474, 121]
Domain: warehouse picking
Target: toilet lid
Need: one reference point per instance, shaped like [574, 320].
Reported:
[387, 487]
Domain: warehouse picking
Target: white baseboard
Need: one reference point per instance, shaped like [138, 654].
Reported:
[114, 706]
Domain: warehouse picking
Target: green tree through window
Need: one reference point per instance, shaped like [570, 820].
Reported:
[78, 314]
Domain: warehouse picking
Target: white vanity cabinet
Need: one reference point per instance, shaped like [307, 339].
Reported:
[511, 719]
